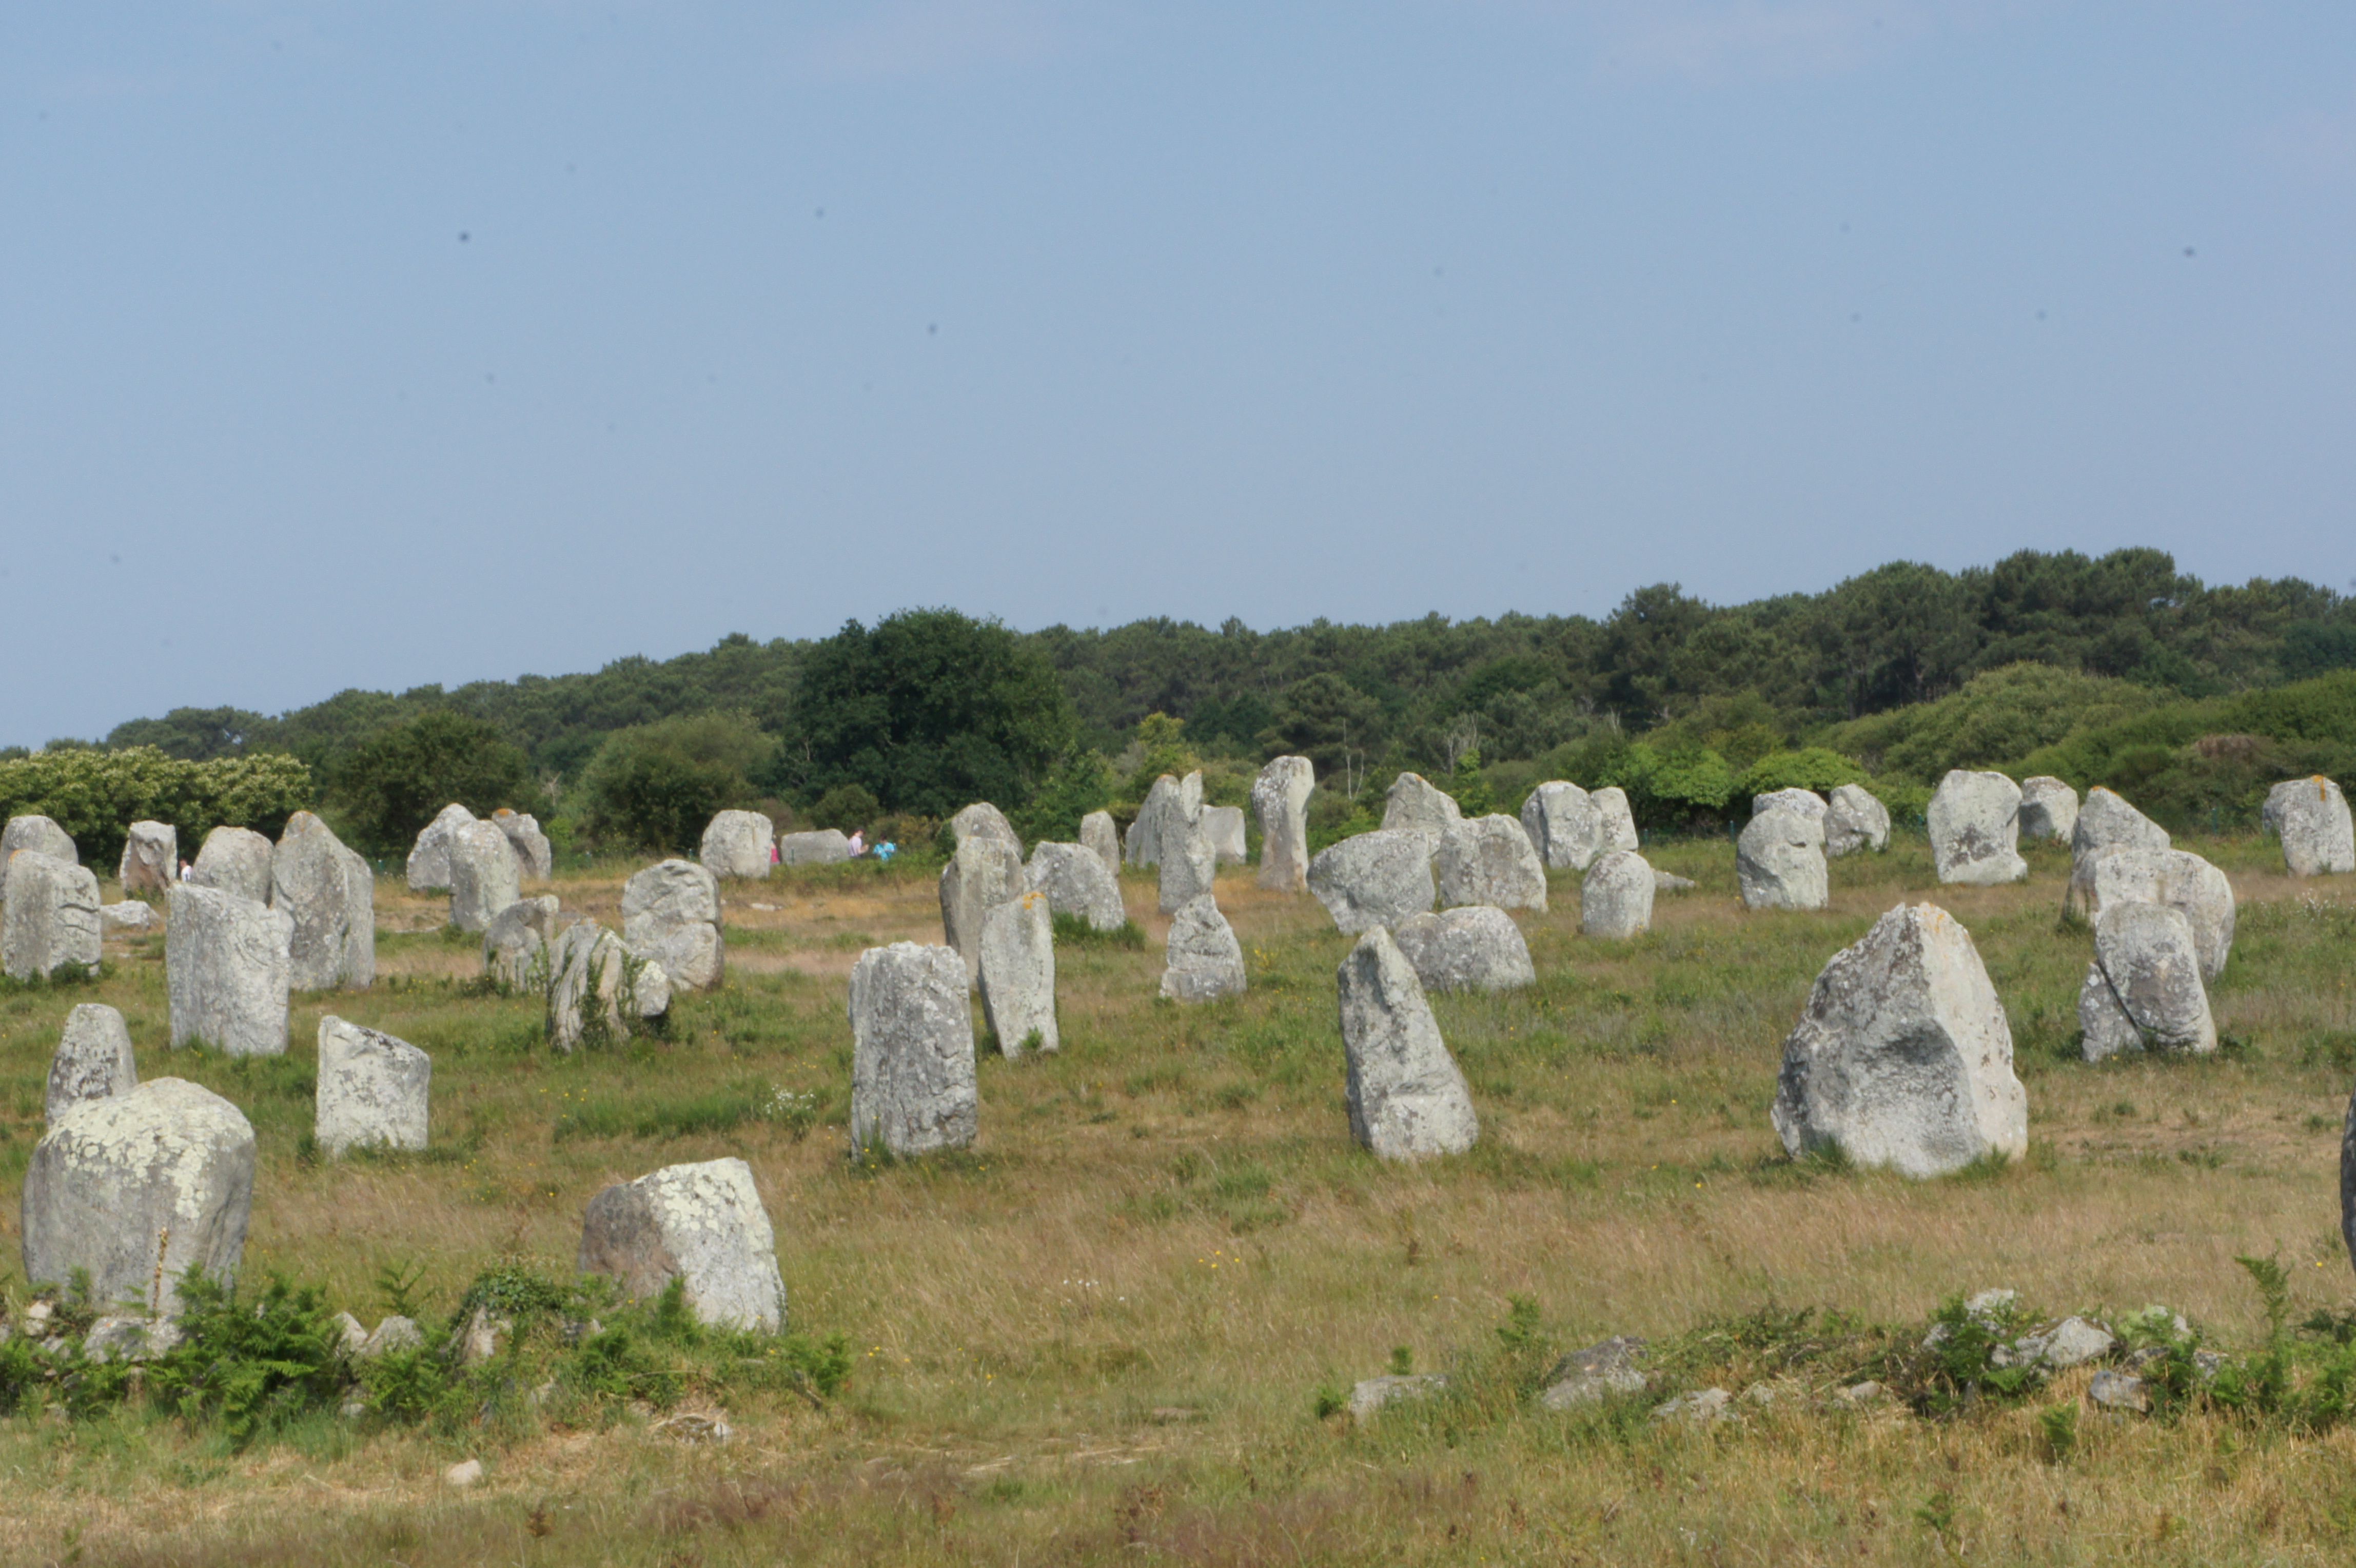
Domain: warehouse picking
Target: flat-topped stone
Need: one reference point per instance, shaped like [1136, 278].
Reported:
[737, 845]
[2178, 879]
[1975, 822]
[820, 846]
[1187, 866]
[1076, 881]
[1490, 860]
[1474, 947]
[1224, 827]
[1565, 826]
[912, 1060]
[2106, 823]
[1373, 879]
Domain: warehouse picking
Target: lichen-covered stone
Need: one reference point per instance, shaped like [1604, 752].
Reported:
[598, 989]
[1170, 802]
[1975, 822]
[1187, 867]
[1904, 1057]
[93, 1060]
[984, 872]
[374, 1089]
[48, 918]
[982, 820]
[1615, 901]
[1475, 947]
[1280, 799]
[1407, 1096]
[429, 858]
[234, 860]
[1373, 879]
[515, 945]
[701, 1224]
[737, 845]
[1101, 837]
[2318, 838]
[1619, 823]
[118, 923]
[2178, 879]
[670, 914]
[821, 846]
[484, 876]
[912, 1064]
[1808, 802]
[1018, 974]
[2049, 809]
[2106, 823]
[535, 856]
[330, 893]
[228, 963]
[1203, 961]
[35, 833]
[1780, 862]
[2144, 991]
[137, 1189]
[1565, 826]
[1414, 803]
[151, 858]
[1076, 881]
[1224, 827]
[1855, 819]
[1490, 860]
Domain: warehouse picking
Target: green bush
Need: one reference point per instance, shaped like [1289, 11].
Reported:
[1080, 782]
[1690, 786]
[655, 786]
[846, 808]
[386, 788]
[96, 795]
[1812, 767]
[1994, 720]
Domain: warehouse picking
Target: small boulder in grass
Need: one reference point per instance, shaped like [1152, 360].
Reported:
[1203, 961]
[1615, 901]
[703, 1225]
[1595, 1373]
[464, 1474]
[738, 845]
[1372, 1396]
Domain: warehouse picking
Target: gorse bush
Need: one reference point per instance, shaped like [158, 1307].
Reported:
[96, 795]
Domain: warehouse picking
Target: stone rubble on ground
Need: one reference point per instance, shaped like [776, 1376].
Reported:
[1904, 1057]
[1702, 1407]
[1489, 859]
[1855, 819]
[228, 965]
[137, 1187]
[1280, 799]
[1779, 860]
[93, 1060]
[1373, 879]
[1596, 1373]
[1408, 1099]
[1476, 947]
[982, 874]
[329, 892]
[373, 1089]
[1018, 974]
[703, 1224]
[1368, 1399]
[151, 858]
[737, 845]
[2144, 990]
[48, 918]
[428, 859]
[1203, 961]
[2118, 1390]
[2048, 810]
[911, 1063]
[1078, 883]
[670, 914]
[1616, 901]
[1975, 822]
[2318, 837]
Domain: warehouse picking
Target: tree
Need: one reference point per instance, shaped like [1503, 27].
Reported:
[1329, 721]
[930, 711]
[386, 788]
[658, 786]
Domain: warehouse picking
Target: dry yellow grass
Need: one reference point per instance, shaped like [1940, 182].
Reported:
[1098, 1336]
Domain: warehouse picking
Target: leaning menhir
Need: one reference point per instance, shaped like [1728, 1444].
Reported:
[1475, 947]
[93, 1060]
[1018, 974]
[1414, 803]
[137, 1189]
[1170, 800]
[1490, 860]
[374, 1090]
[703, 1225]
[2049, 809]
[1974, 820]
[1903, 1058]
[2318, 838]
[911, 1068]
[1076, 881]
[330, 893]
[1373, 879]
[2105, 825]
[234, 860]
[1202, 961]
[1855, 819]
[1280, 799]
[1615, 901]
[2143, 992]
[984, 872]
[1408, 1099]
[671, 913]
[151, 858]
[228, 963]
[48, 918]
[1779, 861]
[737, 845]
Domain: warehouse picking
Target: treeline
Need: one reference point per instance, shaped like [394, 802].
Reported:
[1682, 700]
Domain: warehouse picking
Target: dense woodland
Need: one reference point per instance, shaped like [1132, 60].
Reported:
[2119, 670]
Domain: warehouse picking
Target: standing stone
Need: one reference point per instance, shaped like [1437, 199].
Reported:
[2317, 837]
[1619, 822]
[984, 873]
[2049, 809]
[330, 892]
[737, 845]
[1564, 824]
[703, 1224]
[823, 846]
[1018, 974]
[93, 1060]
[2143, 992]
[117, 922]
[1476, 948]
[1808, 802]
[1187, 864]
[1490, 860]
[484, 876]
[138, 1187]
[1280, 799]
[1780, 862]
[535, 856]
[1224, 826]
[2106, 823]
[598, 990]
[151, 858]
[37, 833]
[228, 963]
[1975, 829]
[982, 820]
[670, 914]
[373, 1089]
[2178, 879]
[1903, 1058]
[1415, 803]
[1076, 881]
[1202, 961]
[1170, 802]
[1855, 820]
[428, 859]
[912, 1070]
[1615, 902]
[515, 945]
[1373, 879]
[1408, 1099]
[48, 918]
[234, 860]
[1102, 838]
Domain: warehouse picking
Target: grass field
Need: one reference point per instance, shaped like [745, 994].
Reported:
[1101, 1335]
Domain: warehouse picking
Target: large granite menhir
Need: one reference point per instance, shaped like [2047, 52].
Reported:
[671, 913]
[48, 918]
[1280, 799]
[1373, 879]
[1408, 1099]
[374, 1089]
[228, 963]
[329, 892]
[912, 1060]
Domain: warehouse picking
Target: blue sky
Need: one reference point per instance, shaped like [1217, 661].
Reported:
[375, 344]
